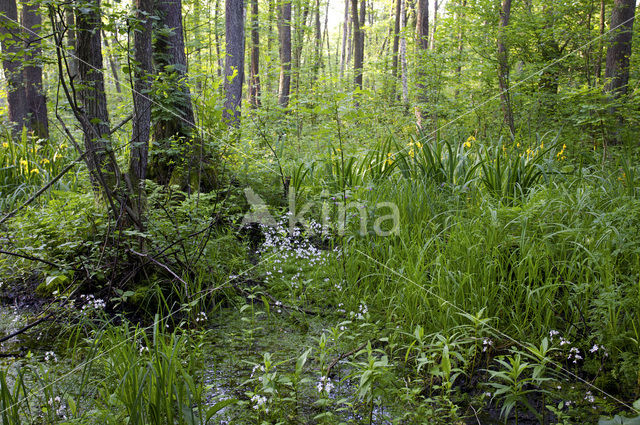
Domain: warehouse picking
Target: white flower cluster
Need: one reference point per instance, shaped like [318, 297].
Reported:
[362, 312]
[325, 384]
[600, 348]
[59, 405]
[486, 344]
[589, 397]
[201, 317]
[91, 303]
[574, 354]
[259, 401]
[50, 356]
[259, 368]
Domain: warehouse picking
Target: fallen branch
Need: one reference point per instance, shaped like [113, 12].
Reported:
[26, 328]
[344, 356]
[32, 258]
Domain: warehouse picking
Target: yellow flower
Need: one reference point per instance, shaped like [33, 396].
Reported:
[35, 171]
[411, 153]
[518, 145]
[24, 163]
[471, 139]
[542, 145]
[467, 144]
[5, 145]
[419, 145]
[44, 161]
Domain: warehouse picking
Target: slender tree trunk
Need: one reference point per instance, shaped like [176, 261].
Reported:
[113, 63]
[461, 17]
[284, 29]
[345, 29]
[254, 79]
[36, 103]
[503, 67]
[142, 75]
[403, 56]
[270, 43]
[174, 123]
[302, 13]
[396, 44]
[72, 60]
[358, 50]
[216, 17]
[436, 6]
[422, 41]
[598, 70]
[10, 34]
[317, 60]
[234, 61]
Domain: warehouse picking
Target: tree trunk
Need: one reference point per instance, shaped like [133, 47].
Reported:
[10, 33]
[173, 124]
[284, 30]
[619, 49]
[317, 60]
[254, 79]
[422, 30]
[234, 61]
[113, 63]
[394, 53]
[403, 56]
[70, 23]
[503, 67]
[95, 116]
[36, 103]
[598, 70]
[358, 49]
[143, 71]
[345, 30]
[461, 17]
[436, 6]
[300, 29]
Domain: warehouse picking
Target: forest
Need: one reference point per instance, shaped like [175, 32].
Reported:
[319, 212]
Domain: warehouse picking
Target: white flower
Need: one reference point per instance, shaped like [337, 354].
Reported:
[325, 384]
[589, 397]
[258, 401]
[50, 356]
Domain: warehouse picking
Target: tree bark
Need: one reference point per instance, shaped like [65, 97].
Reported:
[143, 70]
[396, 44]
[95, 121]
[10, 34]
[358, 49]
[422, 40]
[234, 61]
[503, 67]
[254, 79]
[619, 49]
[403, 56]
[436, 6]
[598, 70]
[174, 121]
[36, 102]
[345, 30]
[284, 30]
[113, 63]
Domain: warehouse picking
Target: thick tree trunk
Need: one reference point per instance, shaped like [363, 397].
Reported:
[72, 60]
[254, 79]
[234, 61]
[36, 103]
[619, 49]
[174, 122]
[284, 29]
[10, 33]
[143, 70]
[95, 117]
[503, 67]
[358, 49]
